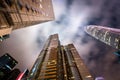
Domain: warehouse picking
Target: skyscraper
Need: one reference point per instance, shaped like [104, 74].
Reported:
[7, 63]
[12, 75]
[109, 36]
[23, 75]
[16, 14]
[57, 62]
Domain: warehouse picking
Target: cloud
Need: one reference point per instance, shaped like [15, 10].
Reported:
[100, 59]
[107, 13]
[22, 46]
[71, 17]
[69, 3]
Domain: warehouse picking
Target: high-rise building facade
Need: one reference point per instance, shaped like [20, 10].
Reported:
[7, 63]
[12, 75]
[57, 62]
[110, 36]
[23, 75]
[16, 14]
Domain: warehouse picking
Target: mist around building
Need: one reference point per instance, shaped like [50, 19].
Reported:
[55, 60]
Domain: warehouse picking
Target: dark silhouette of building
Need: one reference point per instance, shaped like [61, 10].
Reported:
[23, 75]
[109, 36]
[12, 75]
[57, 62]
[7, 63]
[16, 14]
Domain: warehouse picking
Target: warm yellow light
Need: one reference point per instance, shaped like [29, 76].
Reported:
[41, 6]
[40, 0]
[72, 77]
[89, 76]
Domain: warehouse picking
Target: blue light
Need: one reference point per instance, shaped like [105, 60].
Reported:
[8, 67]
[99, 78]
[117, 53]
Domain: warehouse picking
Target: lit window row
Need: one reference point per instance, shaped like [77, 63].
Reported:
[105, 36]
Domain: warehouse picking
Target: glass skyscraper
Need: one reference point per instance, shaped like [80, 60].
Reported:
[109, 36]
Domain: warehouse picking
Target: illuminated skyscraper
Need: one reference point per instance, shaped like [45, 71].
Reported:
[57, 62]
[16, 14]
[107, 35]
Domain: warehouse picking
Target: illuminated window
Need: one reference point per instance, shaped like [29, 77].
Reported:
[50, 73]
[9, 57]
[109, 40]
[105, 34]
[89, 76]
[116, 39]
[48, 63]
[65, 75]
[41, 6]
[116, 46]
[72, 77]
[40, 0]
[119, 44]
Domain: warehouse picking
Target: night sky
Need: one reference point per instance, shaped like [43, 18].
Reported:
[71, 16]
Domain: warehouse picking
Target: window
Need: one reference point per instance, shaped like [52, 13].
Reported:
[41, 6]
[9, 2]
[40, 0]
[32, 10]
[19, 5]
[51, 70]
[119, 44]
[33, 0]
[1, 38]
[8, 18]
[26, 6]
[116, 39]
[50, 73]
[2, 4]
[36, 11]
[3, 22]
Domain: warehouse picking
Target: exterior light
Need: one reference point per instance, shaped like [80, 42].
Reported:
[41, 6]
[89, 76]
[72, 77]
[40, 0]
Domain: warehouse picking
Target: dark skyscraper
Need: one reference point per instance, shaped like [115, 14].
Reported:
[23, 75]
[7, 63]
[12, 75]
[109, 36]
[57, 62]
